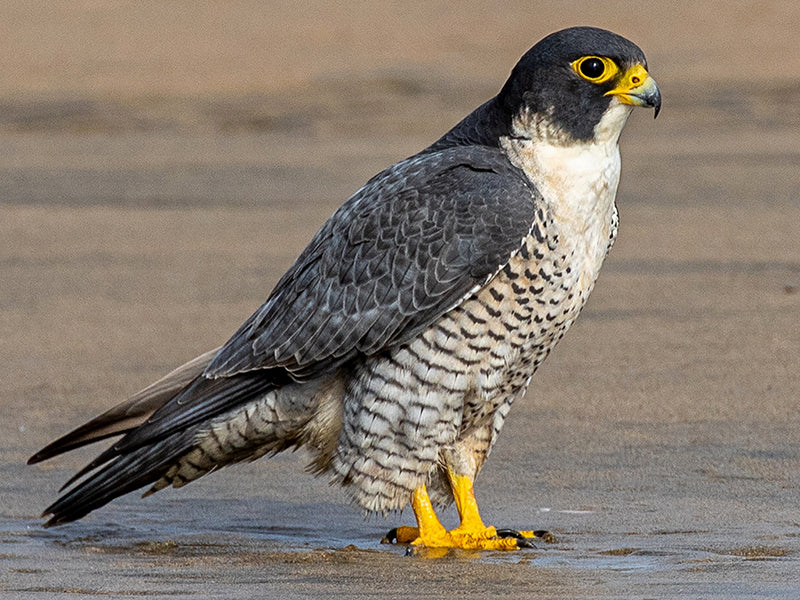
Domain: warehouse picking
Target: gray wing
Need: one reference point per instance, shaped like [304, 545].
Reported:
[411, 244]
[406, 248]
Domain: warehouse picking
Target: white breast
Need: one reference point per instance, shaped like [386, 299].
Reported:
[578, 182]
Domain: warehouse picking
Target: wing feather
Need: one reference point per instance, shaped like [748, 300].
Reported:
[402, 251]
[357, 289]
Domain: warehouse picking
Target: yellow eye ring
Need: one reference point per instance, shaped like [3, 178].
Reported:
[597, 69]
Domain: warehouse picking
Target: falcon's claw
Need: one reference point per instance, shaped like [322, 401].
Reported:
[523, 542]
[401, 535]
[525, 538]
[471, 533]
[390, 537]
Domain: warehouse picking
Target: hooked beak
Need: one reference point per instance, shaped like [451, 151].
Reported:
[637, 88]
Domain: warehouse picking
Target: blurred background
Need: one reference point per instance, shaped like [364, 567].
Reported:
[162, 163]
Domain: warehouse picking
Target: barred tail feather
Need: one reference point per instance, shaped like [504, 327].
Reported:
[118, 477]
[160, 426]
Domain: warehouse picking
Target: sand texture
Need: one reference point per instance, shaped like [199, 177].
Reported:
[161, 165]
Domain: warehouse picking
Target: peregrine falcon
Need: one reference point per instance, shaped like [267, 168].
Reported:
[395, 345]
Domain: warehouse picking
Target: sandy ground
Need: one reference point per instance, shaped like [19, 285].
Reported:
[161, 164]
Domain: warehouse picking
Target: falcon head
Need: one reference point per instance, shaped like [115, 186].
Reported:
[577, 85]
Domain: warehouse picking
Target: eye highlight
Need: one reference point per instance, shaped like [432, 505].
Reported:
[597, 69]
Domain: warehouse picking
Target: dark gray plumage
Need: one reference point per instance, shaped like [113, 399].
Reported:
[396, 343]
[402, 251]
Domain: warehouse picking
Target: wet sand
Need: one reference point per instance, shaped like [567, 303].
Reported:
[162, 166]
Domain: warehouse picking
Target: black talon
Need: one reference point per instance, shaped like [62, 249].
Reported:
[545, 536]
[527, 542]
[523, 542]
[390, 537]
[508, 533]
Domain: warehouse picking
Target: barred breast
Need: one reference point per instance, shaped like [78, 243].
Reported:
[388, 423]
[444, 396]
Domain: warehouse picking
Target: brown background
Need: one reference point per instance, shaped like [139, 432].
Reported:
[161, 164]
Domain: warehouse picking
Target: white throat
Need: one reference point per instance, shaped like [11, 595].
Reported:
[578, 180]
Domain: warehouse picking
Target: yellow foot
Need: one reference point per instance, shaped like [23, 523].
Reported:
[487, 538]
[466, 539]
[471, 534]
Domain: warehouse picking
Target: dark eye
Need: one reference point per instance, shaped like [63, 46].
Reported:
[592, 68]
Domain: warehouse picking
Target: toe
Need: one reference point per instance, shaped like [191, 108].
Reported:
[527, 539]
[401, 535]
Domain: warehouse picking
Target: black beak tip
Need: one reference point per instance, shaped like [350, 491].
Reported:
[656, 102]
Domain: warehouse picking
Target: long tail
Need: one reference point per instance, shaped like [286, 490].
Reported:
[123, 475]
[159, 424]
[128, 415]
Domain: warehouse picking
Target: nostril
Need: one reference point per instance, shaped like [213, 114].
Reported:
[635, 79]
